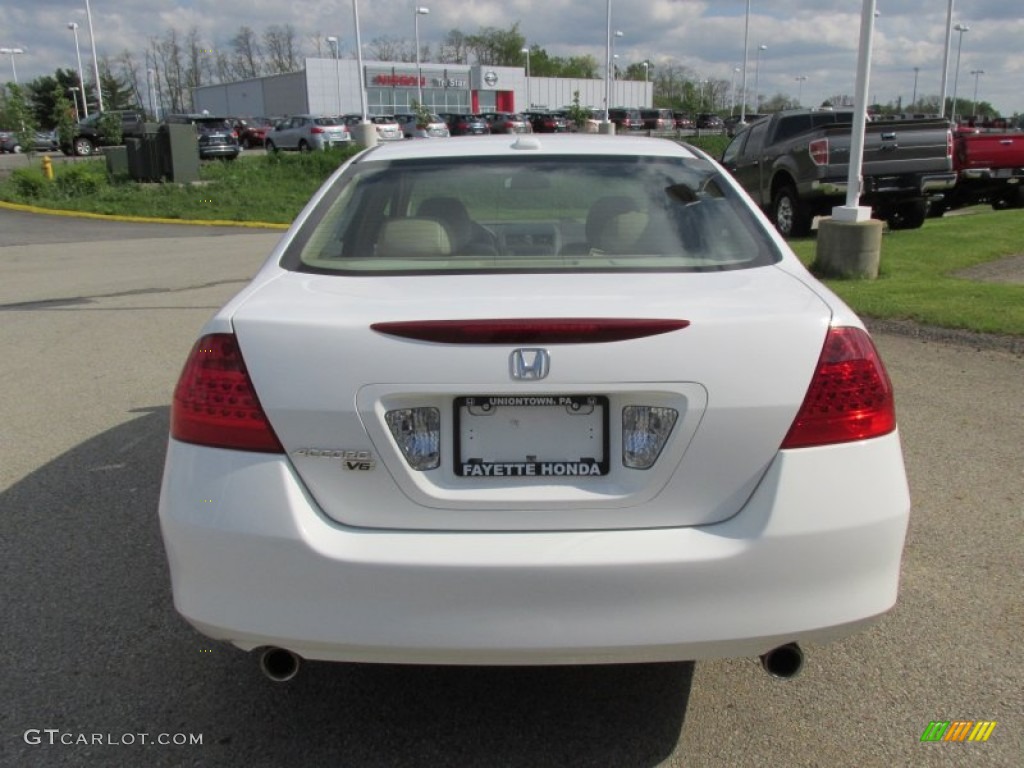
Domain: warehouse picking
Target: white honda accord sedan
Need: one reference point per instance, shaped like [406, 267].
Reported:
[533, 400]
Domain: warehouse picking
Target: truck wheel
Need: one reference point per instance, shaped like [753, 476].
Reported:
[82, 147]
[936, 208]
[1014, 199]
[788, 213]
[908, 215]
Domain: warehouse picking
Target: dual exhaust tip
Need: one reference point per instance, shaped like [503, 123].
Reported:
[783, 663]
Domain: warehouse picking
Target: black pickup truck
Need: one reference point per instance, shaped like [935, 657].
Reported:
[89, 135]
[795, 163]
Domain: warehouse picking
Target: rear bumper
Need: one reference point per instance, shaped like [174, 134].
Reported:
[814, 555]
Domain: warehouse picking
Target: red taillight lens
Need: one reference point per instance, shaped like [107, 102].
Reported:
[316, 129]
[215, 403]
[850, 397]
[819, 151]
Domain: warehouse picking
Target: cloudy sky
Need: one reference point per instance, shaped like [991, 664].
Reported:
[816, 39]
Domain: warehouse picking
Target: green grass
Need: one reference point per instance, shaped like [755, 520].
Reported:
[271, 188]
[918, 274]
[918, 278]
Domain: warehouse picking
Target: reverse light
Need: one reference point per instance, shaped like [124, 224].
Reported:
[215, 403]
[645, 430]
[418, 434]
[850, 395]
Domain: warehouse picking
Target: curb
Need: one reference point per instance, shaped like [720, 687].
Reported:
[143, 219]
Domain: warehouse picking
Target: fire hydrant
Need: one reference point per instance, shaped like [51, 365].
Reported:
[47, 167]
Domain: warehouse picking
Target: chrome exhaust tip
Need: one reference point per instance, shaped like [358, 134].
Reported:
[279, 664]
[784, 662]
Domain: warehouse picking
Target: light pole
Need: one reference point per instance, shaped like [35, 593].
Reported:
[961, 28]
[976, 73]
[13, 52]
[95, 61]
[746, 56]
[945, 58]
[333, 40]
[732, 91]
[647, 66]
[913, 101]
[74, 95]
[611, 62]
[73, 26]
[800, 89]
[148, 81]
[527, 52]
[420, 11]
[757, 77]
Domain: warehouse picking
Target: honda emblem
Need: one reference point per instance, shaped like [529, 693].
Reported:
[529, 364]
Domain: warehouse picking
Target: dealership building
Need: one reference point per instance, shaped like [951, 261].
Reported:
[332, 87]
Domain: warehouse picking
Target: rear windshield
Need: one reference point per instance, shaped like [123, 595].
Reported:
[574, 213]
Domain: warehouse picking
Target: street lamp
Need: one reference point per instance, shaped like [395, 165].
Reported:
[913, 101]
[746, 56]
[801, 79]
[611, 61]
[526, 51]
[961, 28]
[13, 52]
[420, 11]
[95, 61]
[74, 95]
[757, 76]
[73, 26]
[333, 40]
[647, 66]
[976, 73]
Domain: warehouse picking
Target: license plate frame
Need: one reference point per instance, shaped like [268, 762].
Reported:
[520, 419]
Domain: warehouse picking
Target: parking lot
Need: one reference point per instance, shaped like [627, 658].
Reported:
[97, 320]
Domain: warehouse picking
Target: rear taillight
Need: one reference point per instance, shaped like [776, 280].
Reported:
[949, 144]
[316, 129]
[215, 403]
[819, 151]
[850, 396]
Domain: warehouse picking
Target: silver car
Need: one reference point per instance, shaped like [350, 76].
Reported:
[308, 132]
[412, 128]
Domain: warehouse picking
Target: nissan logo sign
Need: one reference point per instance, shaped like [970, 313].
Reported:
[491, 77]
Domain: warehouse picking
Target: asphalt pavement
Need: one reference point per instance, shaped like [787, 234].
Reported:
[95, 321]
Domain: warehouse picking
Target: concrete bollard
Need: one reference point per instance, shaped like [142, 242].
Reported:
[848, 249]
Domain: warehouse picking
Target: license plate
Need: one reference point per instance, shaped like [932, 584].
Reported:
[544, 436]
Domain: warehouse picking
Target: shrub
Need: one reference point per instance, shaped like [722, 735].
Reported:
[29, 183]
[80, 179]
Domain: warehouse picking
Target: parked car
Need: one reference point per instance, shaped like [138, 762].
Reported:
[308, 132]
[795, 164]
[216, 136]
[42, 141]
[475, 410]
[464, 124]
[415, 128]
[507, 122]
[252, 131]
[683, 121]
[548, 122]
[733, 123]
[708, 121]
[387, 126]
[658, 119]
[89, 134]
[626, 119]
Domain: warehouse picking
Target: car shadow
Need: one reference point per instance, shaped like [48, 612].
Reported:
[93, 647]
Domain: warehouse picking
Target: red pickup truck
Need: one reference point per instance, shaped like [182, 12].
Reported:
[989, 162]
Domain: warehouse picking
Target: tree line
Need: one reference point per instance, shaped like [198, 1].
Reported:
[160, 80]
